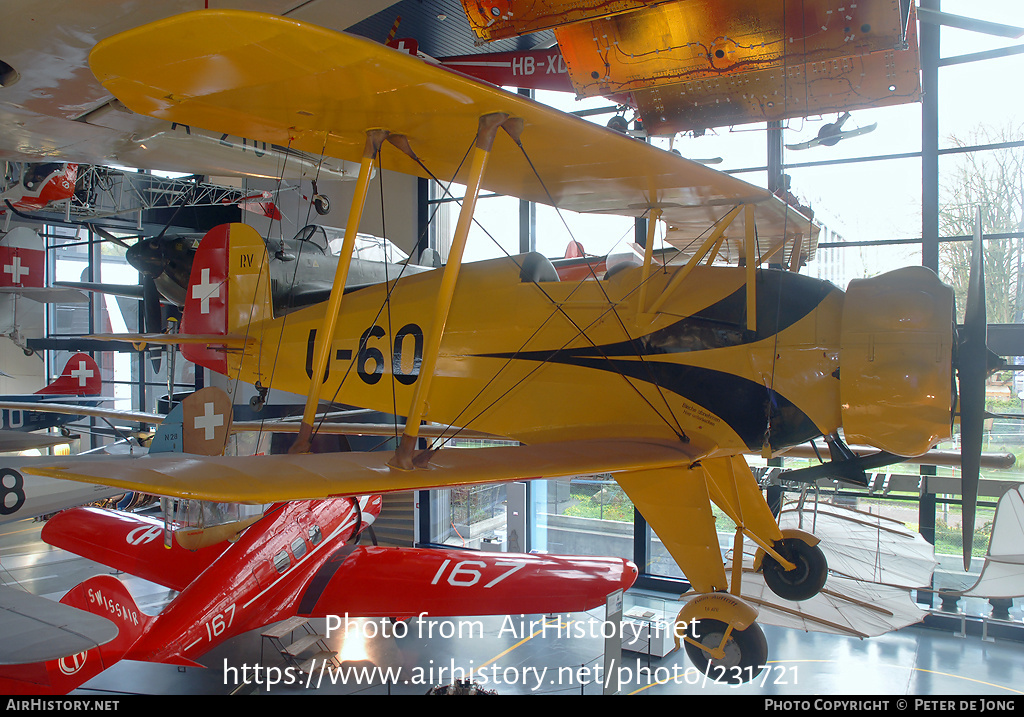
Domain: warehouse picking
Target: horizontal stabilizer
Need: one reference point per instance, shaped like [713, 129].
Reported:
[261, 479]
[36, 629]
[133, 291]
[143, 340]
[130, 543]
[47, 294]
[406, 582]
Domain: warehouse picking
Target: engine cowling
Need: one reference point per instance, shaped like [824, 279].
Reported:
[896, 361]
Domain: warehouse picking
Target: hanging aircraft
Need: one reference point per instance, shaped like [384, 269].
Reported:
[38, 185]
[53, 108]
[301, 269]
[295, 559]
[832, 133]
[22, 273]
[689, 65]
[80, 378]
[663, 376]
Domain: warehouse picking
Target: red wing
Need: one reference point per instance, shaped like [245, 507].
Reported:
[406, 582]
[130, 543]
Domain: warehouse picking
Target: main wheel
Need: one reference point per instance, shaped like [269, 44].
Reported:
[802, 582]
[746, 651]
[619, 124]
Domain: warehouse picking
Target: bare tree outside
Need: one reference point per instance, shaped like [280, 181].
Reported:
[992, 180]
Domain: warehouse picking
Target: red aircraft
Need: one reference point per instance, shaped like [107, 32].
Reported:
[40, 185]
[297, 560]
[20, 413]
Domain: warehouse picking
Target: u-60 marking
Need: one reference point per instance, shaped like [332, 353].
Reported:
[370, 356]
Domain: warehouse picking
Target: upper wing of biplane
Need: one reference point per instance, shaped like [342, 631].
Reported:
[319, 91]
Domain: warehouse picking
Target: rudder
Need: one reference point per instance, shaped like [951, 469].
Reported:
[229, 289]
[102, 595]
[81, 376]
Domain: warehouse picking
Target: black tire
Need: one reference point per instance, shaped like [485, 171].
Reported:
[746, 651]
[321, 204]
[805, 580]
[619, 124]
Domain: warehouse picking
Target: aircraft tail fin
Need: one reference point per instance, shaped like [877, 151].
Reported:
[81, 376]
[103, 595]
[228, 292]
[369, 510]
[200, 425]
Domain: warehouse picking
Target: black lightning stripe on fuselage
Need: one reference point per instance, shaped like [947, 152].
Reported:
[784, 298]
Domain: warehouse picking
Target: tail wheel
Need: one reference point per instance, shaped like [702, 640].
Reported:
[746, 651]
[321, 204]
[802, 582]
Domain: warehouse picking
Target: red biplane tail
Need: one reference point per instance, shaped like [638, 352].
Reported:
[103, 595]
[228, 291]
[81, 377]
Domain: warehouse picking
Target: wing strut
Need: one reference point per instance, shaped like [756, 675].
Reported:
[486, 131]
[709, 248]
[752, 262]
[652, 223]
[374, 139]
[325, 337]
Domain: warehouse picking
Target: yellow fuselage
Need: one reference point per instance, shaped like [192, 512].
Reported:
[551, 361]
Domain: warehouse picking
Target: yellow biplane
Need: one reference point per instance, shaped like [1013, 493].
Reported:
[664, 376]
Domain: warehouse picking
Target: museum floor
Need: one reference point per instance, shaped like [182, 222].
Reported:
[540, 655]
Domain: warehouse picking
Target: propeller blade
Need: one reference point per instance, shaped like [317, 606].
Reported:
[153, 319]
[107, 236]
[972, 371]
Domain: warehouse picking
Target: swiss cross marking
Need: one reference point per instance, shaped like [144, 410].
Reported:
[16, 270]
[204, 291]
[209, 421]
[82, 373]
